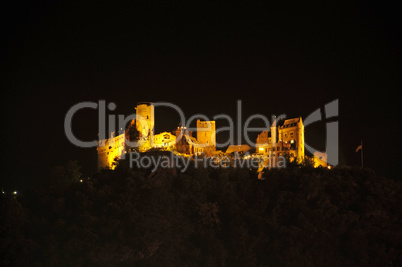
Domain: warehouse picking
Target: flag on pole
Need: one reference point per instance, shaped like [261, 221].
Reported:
[359, 148]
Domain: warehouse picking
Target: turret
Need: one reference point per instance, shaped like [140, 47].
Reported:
[145, 121]
[273, 133]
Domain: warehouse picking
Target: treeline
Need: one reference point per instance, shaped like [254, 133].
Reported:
[298, 216]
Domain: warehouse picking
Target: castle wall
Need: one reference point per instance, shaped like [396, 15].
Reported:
[109, 150]
[165, 140]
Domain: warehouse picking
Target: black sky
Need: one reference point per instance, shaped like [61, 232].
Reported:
[277, 58]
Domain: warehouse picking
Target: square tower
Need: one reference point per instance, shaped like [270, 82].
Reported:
[206, 133]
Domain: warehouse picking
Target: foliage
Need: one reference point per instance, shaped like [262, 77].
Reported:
[63, 176]
[217, 216]
[132, 135]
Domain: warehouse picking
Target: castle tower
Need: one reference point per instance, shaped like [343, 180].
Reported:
[273, 133]
[300, 141]
[206, 133]
[291, 137]
[145, 122]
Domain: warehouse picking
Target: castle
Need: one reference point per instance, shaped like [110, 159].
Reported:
[180, 141]
[285, 138]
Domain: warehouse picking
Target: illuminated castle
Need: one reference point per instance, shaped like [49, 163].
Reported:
[111, 149]
[285, 138]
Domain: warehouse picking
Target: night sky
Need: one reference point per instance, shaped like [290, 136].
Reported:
[276, 58]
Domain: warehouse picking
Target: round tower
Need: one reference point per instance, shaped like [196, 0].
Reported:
[273, 133]
[145, 122]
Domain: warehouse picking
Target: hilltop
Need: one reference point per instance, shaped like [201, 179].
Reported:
[216, 216]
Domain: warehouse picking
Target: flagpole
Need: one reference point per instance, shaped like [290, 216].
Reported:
[361, 142]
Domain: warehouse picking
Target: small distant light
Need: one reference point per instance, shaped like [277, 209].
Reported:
[15, 192]
[81, 180]
[329, 167]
